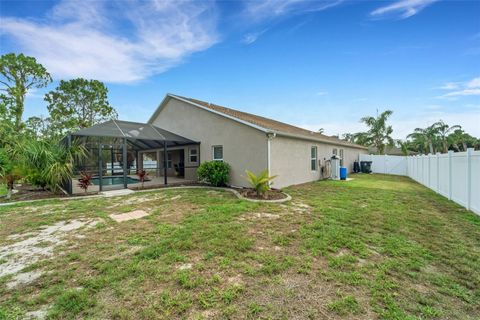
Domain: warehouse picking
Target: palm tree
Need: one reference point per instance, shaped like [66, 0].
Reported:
[378, 134]
[419, 142]
[404, 146]
[460, 140]
[48, 164]
[428, 135]
[444, 130]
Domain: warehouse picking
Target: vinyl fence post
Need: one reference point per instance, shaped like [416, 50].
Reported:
[450, 154]
[385, 163]
[429, 166]
[423, 169]
[438, 171]
[469, 177]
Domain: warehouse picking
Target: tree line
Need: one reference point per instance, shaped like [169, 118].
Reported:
[31, 150]
[438, 137]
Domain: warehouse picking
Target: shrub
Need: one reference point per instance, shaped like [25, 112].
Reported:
[48, 163]
[260, 183]
[142, 176]
[215, 173]
[85, 180]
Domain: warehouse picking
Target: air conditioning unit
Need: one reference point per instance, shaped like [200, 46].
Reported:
[335, 162]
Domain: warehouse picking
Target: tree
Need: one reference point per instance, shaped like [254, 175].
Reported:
[459, 140]
[404, 146]
[378, 134]
[18, 74]
[37, 127]
[419, 142]
[79, 103]
[444, 130]
[428, 136]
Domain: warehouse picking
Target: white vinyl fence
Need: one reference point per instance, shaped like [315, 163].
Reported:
[455, 175]
[386, 164]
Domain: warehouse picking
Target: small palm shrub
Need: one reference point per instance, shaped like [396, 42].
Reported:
[48, 163]
[85, 180]
[261, 182]
[216, 173]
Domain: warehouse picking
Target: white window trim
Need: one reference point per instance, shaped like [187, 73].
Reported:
[213, 152]
[314, 158]
[190, 155]
[341, 155]
[169, 160]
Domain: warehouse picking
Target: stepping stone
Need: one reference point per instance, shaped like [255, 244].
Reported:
[133, 215]
[114, 193]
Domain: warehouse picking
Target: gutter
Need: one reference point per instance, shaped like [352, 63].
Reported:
[302, 137]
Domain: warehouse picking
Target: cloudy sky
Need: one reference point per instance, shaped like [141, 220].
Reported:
[315, 64]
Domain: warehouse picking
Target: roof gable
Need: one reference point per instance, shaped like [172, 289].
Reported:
[257, 122]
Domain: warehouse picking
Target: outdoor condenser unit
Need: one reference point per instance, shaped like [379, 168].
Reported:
[335, 162]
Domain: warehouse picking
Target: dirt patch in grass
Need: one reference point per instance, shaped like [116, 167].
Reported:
[33, 246]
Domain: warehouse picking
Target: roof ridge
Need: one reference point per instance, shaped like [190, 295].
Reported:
[266, 123]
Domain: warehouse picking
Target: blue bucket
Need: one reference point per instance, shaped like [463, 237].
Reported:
[343, 173]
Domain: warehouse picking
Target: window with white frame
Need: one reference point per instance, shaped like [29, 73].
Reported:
[334, 151]
[217, 152]
[341, 157]
[169, 160]
[193, 155]
[313, 158]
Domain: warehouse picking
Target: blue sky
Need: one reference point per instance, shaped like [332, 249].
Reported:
[315, 64]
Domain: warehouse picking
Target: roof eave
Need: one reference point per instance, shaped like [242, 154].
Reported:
[316, 139]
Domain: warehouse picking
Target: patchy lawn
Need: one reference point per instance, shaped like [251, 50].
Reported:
[374, 247]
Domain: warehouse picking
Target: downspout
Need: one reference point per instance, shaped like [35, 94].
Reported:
[270, 136]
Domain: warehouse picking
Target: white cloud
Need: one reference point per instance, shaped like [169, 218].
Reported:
[267, 9]
[474, 83]
[88, 39]
[322, 93]
[449, 86]
[469, 88]
[464, 92]
[403, 8]
[250, 38]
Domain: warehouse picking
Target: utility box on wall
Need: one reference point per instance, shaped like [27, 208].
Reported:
[335, 161]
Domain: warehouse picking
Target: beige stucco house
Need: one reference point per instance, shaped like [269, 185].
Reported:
[247, 141]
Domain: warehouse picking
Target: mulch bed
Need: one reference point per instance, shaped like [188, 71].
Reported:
[273, 194]
[28, 192]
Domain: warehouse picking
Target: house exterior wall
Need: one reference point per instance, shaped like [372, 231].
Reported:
[290, 159]
[243, 147]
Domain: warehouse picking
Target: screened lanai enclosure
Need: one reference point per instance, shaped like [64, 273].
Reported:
[117, 150]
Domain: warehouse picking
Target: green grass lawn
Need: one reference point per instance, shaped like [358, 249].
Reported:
[374, 247]
[3, 189]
